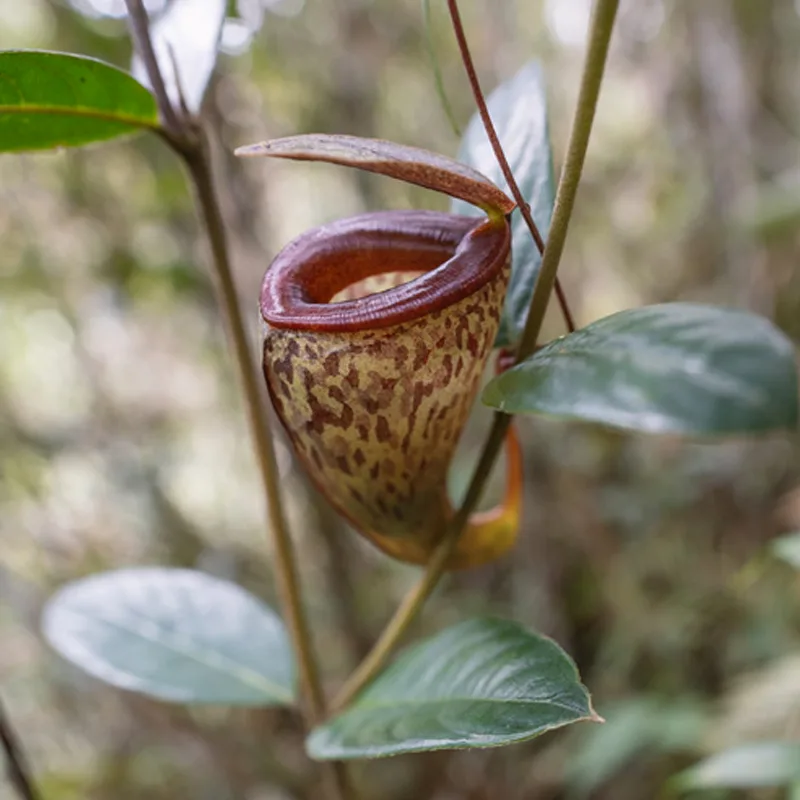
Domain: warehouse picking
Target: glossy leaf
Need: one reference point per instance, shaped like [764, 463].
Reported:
[186, 36]
[173, 634]
[519, 112]
[50, 100]
[482, 683]
[760, 764]
[676, 368]
[788, 548]
[411, 164]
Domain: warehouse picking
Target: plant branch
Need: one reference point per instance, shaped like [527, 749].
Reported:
[494, 140]
[600, 29]
[288, 584]
[600, 34]
[185, 136]
[139, 25]
[18, 773]
[289, 589]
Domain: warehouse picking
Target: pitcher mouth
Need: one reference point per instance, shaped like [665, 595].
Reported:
[456, 255]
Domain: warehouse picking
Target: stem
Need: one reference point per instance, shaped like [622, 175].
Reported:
[18, 773]
[288, 584]
[185, 136]
[494, 140]
[140, 31]
[601, 27]
[289, 590]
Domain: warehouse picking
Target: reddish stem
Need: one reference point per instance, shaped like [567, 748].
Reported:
[494, 140]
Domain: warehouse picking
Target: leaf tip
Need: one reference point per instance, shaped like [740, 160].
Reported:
[247, 150]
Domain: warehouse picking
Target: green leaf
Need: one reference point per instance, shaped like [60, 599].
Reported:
[760, 764]
[186, 36]
[52, 100]
[174, 634]
[482, 683]
[788, 548]
[519, 112]
[676, 368]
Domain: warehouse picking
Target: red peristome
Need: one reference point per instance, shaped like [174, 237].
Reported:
[458, 255]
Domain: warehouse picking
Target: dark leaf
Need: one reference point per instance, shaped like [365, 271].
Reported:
[482, 683]
[674, 368]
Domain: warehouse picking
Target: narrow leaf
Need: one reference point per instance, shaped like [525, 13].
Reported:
[411, 164]
[50, 100]
[519, 112]
[186, 36]
[788, 548]
[482, 683]
[674, 368]
[760, 764]
[173, 634]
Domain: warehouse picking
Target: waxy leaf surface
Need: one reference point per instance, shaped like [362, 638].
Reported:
[173, 634]
[186, 37]
[761, 764]
[675, 368]
[50, 100]
[519, 112]
[411, 164]
[482, 683]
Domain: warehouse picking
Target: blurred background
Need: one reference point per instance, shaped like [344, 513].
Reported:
[122, 437]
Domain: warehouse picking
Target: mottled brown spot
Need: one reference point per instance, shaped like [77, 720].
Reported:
[322, 415]
[421, 353]
[331, 364]
[400, 357]
[352, 377]
[343, 465]
[359, 457]
[382, 429]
